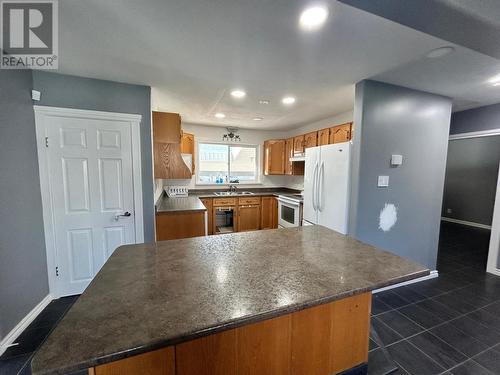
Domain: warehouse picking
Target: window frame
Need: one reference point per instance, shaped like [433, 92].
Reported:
[249, 145]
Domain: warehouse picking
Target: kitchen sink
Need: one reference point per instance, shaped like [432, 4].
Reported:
[232, 193]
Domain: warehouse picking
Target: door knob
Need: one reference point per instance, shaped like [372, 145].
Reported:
[125, 214]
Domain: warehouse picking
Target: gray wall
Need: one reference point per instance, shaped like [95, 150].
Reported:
[477, 119]
[395, 120]
[23, 263]
[471, 179]
[85, 93]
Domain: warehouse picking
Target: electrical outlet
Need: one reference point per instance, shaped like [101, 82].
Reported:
[449, 211]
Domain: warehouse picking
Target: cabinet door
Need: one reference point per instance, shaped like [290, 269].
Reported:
[340, 133]
[248, 217]
[266, 217]
[207, 202]
[288, 155]
[274, 157]
[166, 127]
[298, 145]
[324, 137]
[187, 147]
[311, 140]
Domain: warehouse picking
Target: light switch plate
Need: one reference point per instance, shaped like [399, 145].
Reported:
[383, 181]
[396, 159]
[35, 95]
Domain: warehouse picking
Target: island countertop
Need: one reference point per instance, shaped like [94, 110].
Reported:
[150, 296]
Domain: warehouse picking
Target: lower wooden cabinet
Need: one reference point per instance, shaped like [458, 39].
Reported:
[269, 213]
[175, 225]
[248, 217]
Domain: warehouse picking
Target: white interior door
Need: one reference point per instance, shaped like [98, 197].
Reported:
[493, 265]
[310, 173]
[89, 171]
[334, 186]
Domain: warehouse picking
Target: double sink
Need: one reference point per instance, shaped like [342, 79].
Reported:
[232, 193]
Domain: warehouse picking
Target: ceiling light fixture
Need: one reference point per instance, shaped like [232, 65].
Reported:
[495, 81]
[238, 94]
[288, 100]
[264, 101]
[313, 18]
[440, 52]
[496, 84]
[258, 119]
[231, 135]
[220, 115]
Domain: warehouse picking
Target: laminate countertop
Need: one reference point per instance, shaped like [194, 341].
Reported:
[176, 204]
[149, 296]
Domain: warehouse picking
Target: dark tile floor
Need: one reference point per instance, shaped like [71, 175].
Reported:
[449, 325]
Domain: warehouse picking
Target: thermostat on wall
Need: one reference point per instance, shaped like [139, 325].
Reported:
[176, 191]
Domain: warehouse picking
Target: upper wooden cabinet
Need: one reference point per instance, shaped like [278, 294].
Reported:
[187, 147]
[298, 145]
[288, 155]
[311, 139]
[274, 157]
[166, 127]
[323, 137]
[340, 133]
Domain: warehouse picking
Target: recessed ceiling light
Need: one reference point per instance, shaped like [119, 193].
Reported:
[258, 119]
[496, 84]
[238, 94]
[264, 101]
[220, 115]
[495, 81]
[440, 52]
[313, 18]
[288, 100]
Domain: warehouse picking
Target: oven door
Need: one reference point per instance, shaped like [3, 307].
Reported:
[288, 213]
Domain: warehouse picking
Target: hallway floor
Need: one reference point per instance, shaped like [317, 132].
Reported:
[448, 325]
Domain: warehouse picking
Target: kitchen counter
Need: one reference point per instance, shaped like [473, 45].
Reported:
[175, 204]
[257, 192]
[150, 296]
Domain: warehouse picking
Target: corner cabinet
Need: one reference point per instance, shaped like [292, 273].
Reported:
[167, 137]
[274, 157]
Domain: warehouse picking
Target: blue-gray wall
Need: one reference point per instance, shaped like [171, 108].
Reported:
[23, 263]
[477, 119]
[389, 120]
[471, 179]
[86, 93]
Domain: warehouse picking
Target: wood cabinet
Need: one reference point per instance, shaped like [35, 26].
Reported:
[248, 217]
[298, 145]
[340, 133]
[274, 157]
[187, 147]
[168, 163]
[182, 224]
[324, 137]
[208, 203]
[269, 213]
[311, 139]
[166, 127]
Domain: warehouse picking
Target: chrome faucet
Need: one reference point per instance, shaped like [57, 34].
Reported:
[232, 188]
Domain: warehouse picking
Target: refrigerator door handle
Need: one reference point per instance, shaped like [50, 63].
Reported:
[315, 182]
[321, 180]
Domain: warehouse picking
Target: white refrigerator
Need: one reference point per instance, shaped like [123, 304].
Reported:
[327, 186]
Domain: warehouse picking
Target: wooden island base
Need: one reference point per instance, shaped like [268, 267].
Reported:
[322, 340]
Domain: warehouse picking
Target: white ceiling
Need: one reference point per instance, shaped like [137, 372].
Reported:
[193, 52]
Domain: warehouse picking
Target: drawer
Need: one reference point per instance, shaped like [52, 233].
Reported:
[248, 200]
[224, 201]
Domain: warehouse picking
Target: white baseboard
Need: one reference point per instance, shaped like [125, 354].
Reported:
[432, 275]
[463, 222]
[23, 324]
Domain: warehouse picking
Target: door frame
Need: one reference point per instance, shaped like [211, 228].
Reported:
[41, 113]
[494, 250]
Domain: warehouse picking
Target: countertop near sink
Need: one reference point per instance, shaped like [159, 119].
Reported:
[193, 202]
[176, 204]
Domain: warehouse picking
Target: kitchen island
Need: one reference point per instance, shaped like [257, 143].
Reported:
[287, 301]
